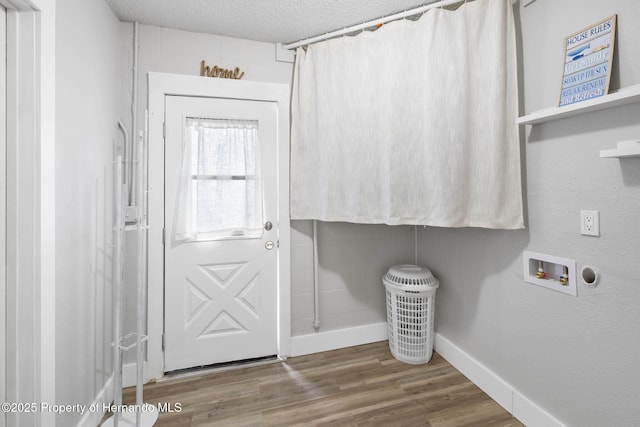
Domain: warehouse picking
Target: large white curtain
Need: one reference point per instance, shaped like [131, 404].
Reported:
[411, 124]
[220, 185]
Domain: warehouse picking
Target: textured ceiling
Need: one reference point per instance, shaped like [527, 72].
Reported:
[273, 21]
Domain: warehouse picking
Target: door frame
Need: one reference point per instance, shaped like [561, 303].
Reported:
[30, 209]
[3, 207]
[161, 85]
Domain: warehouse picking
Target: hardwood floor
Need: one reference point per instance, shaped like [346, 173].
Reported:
[357, 386]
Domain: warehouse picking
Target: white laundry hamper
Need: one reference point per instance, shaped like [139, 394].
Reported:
[411, 292]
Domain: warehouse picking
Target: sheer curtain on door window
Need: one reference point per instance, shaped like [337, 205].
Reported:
[220, 185]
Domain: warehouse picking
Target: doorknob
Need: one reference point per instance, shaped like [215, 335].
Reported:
[268, 226]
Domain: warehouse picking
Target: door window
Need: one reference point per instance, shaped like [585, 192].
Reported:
[221, 190]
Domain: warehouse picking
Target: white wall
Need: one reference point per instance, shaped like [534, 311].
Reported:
[30, 310]
[87, 36]
[174, 51]
[576, 357]
[352, 257]
[180, 52]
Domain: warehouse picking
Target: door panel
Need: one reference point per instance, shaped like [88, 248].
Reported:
[220, 292]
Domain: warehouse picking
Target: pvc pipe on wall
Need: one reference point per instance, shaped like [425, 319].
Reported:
[316, 288]
[125, 133]
[415, 249]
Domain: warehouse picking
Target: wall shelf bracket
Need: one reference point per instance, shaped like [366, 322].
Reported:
[623, 149]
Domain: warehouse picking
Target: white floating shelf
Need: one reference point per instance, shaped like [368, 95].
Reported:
[624, 96]
[623, 149]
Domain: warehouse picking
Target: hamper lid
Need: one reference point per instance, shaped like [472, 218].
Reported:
[410, 275]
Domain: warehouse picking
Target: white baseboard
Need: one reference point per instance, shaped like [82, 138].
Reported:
[340, 338]
[521, 407]
[95, 412]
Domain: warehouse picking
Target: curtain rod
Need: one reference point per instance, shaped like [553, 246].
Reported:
[373, 23]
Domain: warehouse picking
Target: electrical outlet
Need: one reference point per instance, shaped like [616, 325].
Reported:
[590, 223]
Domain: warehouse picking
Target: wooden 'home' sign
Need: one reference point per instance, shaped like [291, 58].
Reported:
[222, 73]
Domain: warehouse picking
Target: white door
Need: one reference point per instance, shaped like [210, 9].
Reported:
[220, 231]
